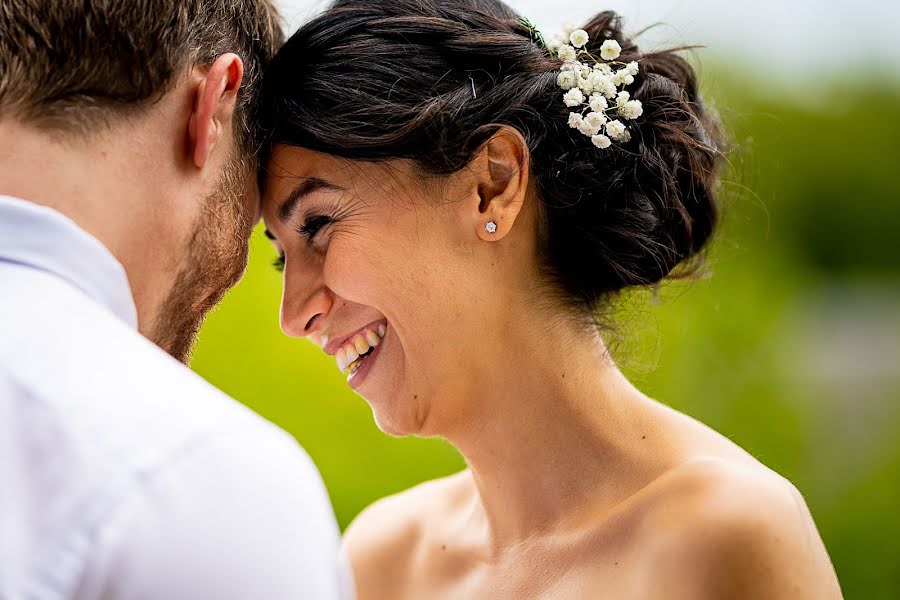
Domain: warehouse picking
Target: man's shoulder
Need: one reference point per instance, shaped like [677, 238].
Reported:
[112, 440]
[102, 387]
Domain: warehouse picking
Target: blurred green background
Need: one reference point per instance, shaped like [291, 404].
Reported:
[791, 348]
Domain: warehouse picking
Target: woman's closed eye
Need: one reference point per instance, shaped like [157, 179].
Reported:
[313, 225]
[278, 263]
[309, 229]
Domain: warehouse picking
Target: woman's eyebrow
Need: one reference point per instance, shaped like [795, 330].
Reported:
[305, 188]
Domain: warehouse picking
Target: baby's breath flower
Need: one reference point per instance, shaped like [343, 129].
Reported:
[631, 109]
[596, 85]
[566, 80]
[605, 86]
[595, 120]
[586, 85]
[622, 77]
[601, 141]
[573, 97]
[610, 50]
[587, 129]
[598, 103]
[566, 52]
[579, 38]
[555, 42]
[615, 129]
[575, 119]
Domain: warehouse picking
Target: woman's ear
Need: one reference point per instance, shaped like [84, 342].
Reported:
[502, 169]
[214, 104]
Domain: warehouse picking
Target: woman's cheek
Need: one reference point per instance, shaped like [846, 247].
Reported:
[349, 269]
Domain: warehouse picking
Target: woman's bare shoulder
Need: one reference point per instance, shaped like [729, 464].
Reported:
[732, 529]
[381, 542]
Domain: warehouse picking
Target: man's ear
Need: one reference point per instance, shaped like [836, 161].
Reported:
[214, 103]
[502, 167]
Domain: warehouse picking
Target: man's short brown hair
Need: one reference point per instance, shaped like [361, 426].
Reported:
[74, 65]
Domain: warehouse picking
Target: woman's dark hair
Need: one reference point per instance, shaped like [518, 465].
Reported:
[432, 80]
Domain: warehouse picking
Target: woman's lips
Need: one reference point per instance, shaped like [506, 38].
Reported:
[360, 372]
[349, 355]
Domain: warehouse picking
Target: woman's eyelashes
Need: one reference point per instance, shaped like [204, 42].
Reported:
[312, 225]
[278, 263]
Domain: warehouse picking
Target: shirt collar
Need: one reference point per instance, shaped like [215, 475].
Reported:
[42, 238]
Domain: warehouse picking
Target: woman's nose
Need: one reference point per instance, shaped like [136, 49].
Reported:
[304, 302]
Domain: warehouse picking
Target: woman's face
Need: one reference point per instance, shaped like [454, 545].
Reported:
[385, 270]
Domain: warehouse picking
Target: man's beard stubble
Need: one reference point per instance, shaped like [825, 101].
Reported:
[214, 261]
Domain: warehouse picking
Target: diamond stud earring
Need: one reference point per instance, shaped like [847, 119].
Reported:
[491, 227]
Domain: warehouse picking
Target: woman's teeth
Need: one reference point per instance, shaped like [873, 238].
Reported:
[351, 354]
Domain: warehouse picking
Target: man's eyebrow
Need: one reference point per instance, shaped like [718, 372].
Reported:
[306, 187]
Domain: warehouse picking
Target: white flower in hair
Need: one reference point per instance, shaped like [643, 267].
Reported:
[555, 42]
[595, 119]
[593, 87]
[566, 52]
[588, 129]
[579, 38]
[631, 109]
[610, 50]
[622, 77]
[606, 87]
[615, 129]
[575, 120]
[586, 85]
[598, 103]
[573, 97]
[566, 80]
[601, 141]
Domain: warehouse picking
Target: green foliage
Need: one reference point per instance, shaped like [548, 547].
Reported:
[791, 347]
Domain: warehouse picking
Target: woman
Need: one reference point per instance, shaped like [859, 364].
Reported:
[455, 203]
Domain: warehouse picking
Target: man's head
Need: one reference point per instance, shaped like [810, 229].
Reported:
[138, 120]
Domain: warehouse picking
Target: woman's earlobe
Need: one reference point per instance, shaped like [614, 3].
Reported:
[492, 231]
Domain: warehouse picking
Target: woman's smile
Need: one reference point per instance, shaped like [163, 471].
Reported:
[358, 349]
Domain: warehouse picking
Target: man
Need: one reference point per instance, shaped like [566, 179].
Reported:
[127, 194]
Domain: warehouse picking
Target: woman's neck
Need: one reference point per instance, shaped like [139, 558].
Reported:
[556, 434]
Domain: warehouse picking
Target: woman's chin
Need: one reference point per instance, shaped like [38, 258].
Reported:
[394, 420]
[392, 429]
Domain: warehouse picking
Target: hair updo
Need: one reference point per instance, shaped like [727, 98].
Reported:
[395, 79]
